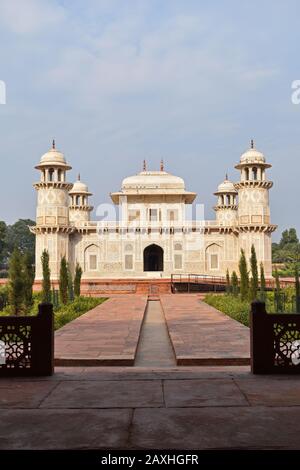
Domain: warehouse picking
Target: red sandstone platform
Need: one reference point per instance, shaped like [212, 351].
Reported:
[106, 335]
[202, 335]
[131, 408]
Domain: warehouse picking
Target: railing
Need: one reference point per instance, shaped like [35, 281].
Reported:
[221, 280]
[27, 344]
[275, 341]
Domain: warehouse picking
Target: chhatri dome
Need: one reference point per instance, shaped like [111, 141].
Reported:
[226, 187]
[53, 158]
[252, 155]
[80, 188]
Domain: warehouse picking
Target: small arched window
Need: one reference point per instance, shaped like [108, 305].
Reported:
[50, 173]
[254, 173]
[228, 199]
[247, 174]
[58, 175]
[77, 200]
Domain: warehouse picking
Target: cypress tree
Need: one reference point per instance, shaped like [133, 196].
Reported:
[254, 274]
[28, 279]
[279, 301]
[70, 285]
[244, 276]
[262, 283]
[63, 281]
[46, 285]
[16, 282]
[277, 281]
[234, 283]
[228, 286]
[77, 279]
[297, 289]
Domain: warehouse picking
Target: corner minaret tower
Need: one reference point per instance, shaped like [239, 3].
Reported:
[79, 206]
[52, 214]
[253, 209]
[226, 207]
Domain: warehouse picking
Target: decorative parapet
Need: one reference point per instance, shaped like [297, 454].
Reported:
[253, 183]
[53, 184]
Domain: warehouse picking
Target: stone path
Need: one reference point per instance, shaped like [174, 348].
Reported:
[139, 408]
[155, 348]
[106, 335]
[202, 335]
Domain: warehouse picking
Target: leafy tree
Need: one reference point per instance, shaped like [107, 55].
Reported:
[262, 283]
[63, 281]
[70, 285]
[287, 251]
[28, 279]
[18, 235]
[234, 283]
[16, 282]
[46, 285]
[77, 279]
[254, 274]
[244, 276]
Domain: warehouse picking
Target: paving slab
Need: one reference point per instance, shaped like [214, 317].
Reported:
[202, 392]
[216, 428]
[274, 392]
[106, 335]
[24, 394]
[202, 335]
[64, 429]
[105, 394]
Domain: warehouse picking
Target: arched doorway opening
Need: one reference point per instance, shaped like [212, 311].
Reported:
[153, 258]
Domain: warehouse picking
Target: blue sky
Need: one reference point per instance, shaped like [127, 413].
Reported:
[119, 81]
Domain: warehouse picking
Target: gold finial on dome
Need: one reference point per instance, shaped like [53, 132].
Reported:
[161, 165]
[144, 166]
[53, 144]
[252, 143]
[78, 176]
[226, 177]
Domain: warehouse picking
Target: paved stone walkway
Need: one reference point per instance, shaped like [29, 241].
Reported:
[106, 335]
[136, 408]
[155, 348]
[203, 335]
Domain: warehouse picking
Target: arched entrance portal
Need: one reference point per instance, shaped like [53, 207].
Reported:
[153, 258]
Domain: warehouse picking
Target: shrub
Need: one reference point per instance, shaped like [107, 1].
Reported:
[72, 310]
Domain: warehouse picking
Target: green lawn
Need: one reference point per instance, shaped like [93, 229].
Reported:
[64, 313]
[239, 310]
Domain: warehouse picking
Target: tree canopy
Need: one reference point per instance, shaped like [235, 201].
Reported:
[18, 236]
[288, 249]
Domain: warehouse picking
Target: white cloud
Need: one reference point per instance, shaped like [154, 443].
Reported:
[29, 16]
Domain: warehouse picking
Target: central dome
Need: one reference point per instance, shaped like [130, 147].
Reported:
[149, 184]
[153, 180]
